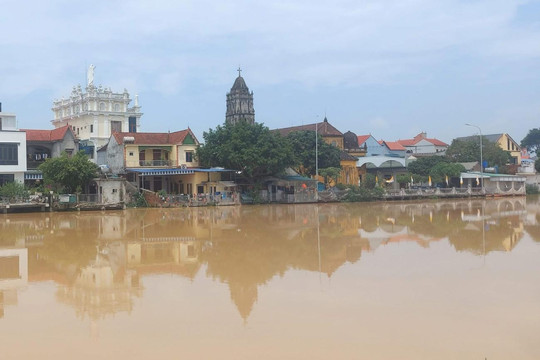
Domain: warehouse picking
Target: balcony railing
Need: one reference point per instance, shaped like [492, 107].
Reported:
[155, 162]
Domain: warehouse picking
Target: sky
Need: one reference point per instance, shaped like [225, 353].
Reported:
[390, 68]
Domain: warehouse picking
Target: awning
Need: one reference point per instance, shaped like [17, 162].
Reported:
[161, 172]
[33, 175]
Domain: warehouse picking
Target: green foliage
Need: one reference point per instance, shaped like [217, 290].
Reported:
[303, 146]
[369, 181]
[13, 190]
[469, 150]
[362, 193]
[532, 189]
[68, 173]
[138, 200]
[424, 165]
[439, 172]
[403, 178]
[330, 174]
[537, 165]
[252, 149]
[532, 140]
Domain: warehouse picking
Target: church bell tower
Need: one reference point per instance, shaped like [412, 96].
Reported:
[240, 103]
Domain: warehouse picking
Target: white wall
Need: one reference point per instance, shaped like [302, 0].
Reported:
[19, 138]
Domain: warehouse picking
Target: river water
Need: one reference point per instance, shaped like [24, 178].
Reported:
[416, 280]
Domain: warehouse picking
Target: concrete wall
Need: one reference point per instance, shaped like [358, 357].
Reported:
[115, 156]
[68, 143]
[111, 191]
[181, 155]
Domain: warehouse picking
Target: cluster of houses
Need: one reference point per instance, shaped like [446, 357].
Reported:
[102, 123]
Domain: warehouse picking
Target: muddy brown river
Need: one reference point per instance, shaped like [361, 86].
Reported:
[404, 280]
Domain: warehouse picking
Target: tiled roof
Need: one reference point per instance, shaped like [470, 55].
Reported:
[345, 156]
[393, 145]
[47, 135]
[492, 137]
[419, 137]
[324, 128]
[362, 139]
[408, 142]
[176, 137]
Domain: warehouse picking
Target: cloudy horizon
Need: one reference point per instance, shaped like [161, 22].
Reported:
[389, 68]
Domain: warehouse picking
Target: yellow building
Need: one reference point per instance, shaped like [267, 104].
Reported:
[160, 161]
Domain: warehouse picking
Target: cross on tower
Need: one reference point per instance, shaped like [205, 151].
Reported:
[239, 71]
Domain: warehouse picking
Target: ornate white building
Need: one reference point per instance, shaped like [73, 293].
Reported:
[96, 113]
[240, 103]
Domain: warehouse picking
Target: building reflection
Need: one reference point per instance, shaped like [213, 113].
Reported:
[99, 259]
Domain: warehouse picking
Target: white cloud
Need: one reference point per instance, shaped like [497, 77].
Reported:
[165, 46]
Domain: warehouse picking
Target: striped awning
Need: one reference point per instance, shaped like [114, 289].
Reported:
[160, 172]
[33, 175]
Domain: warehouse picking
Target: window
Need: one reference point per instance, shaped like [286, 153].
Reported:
[101, 106]
[6, 178]
[91, 128]
[131, 153]
[116, 126]
[189, 156]
[9, 154]
[0, 123]
[117, 107]
[132, 124]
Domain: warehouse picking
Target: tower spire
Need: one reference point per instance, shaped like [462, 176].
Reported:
[240, 102]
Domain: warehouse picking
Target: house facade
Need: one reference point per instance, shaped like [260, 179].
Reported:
[160, 161]
[370, 144]
[12, 149]
[44, 144]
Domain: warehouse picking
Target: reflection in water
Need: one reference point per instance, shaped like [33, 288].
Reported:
[100, 261]
[98, 258]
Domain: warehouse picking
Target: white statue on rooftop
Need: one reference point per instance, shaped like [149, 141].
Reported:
[90, 75]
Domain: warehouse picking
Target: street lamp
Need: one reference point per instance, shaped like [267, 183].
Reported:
[481, 158]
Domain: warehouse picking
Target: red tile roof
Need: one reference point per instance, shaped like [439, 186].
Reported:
[393, 145]
[362, 139]
[421, 136]
[324, 128]
[47, 135]
[176, 137]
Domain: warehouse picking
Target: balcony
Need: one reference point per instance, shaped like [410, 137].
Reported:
[154, 163]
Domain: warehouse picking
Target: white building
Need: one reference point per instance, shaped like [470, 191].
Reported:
[96, 113]
[12, 149]
[422, 145]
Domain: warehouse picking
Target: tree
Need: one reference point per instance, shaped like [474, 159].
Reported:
[443, 169]
[13, 190]
[469, 150]
[68, 173]
[330, 174]
[423, 165]
[532, 140]
[252, 149]
[303, 146]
